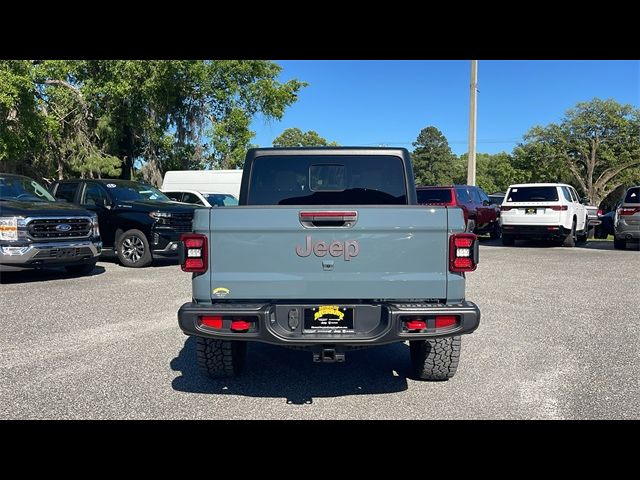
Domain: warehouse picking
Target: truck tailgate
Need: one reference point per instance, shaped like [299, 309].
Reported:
[263, 253]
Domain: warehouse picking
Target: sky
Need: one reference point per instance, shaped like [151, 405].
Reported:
[363, 103]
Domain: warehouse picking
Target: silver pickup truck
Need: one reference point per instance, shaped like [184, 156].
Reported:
[328, 251]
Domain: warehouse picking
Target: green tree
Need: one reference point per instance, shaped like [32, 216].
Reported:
[596, 147]
[433, 161]
[294, 137]
[495, 172]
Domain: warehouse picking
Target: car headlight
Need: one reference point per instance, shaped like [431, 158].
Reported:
[94, 225]
[8, 228]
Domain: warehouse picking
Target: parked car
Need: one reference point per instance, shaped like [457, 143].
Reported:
[497, 198]
[138, 222]
[38, 232]
[605, 228]
[547, 211]
[480, 215]
[327, 255]
[594, 214]
[221, 181]
[207, 199]
[626, 223]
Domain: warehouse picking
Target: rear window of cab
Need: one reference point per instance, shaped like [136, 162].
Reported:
[633, 195]
[532, 194]
[432, 196]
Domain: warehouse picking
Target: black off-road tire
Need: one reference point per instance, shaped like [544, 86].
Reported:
[435, 359]
[220, 358]
[508, 240]
[619, 244]
[84, 269]
[128, 242]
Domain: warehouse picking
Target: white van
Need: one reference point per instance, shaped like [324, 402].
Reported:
[209, 181]
[551, 211]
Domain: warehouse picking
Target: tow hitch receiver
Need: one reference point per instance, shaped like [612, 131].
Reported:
[328, 355]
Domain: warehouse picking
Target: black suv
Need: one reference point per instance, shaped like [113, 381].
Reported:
[137, 221]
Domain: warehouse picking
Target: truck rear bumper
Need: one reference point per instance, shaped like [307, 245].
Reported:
[284, 323]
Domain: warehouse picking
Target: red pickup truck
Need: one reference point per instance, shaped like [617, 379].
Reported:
[480, 214]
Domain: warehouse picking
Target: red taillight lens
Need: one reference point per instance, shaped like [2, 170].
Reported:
[505, 209]
[213, 321]
[463, 252]
[416, 324]
[195, 253]
[443, 321]
[629, 210]
[240, 326]
[599, 212]
[558, 208]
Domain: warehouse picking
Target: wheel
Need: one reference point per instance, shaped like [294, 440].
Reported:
[436, 358]
[220, 358]
[619, 244]
[582, 237]
[471, 226]
[508, 240]
[496, 232]
[83, 269]
[570, 240]
[133, 249]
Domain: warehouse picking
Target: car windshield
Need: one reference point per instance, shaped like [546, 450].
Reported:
[220, 200]
[434, 195]
[133, 191]
[22, 188]
[532, 194]
[633, 195]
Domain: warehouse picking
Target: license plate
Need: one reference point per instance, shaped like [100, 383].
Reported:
[66, 252]
[328, 319]
[530, 211]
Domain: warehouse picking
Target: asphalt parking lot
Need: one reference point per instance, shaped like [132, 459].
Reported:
[559, 339]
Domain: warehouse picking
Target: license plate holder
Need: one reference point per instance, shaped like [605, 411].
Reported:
[329, 319]
[66, 252]
[530, 211]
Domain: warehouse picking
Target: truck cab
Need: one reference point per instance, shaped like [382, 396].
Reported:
[328, 251]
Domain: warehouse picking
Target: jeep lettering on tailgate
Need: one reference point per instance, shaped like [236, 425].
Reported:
[348, 249]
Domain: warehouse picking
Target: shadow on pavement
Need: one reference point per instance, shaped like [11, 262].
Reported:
[589, 245]
[158, 262]
[44, 275]
[275, 372]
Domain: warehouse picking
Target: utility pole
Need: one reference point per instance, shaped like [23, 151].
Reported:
[471, 165]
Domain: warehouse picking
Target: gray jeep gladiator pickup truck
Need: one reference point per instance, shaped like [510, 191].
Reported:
[329, 251]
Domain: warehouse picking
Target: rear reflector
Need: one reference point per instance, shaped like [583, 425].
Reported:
[416, 325]
[240, 326]
[553, 228]
[213, 321]
[443, 321]
[463, 252]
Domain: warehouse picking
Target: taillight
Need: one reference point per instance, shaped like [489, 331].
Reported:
[599, 212]
[213, 321]
[463, 252]
[629, 210]
[559, 208]
[194, 258]
[444, 321]
[505, 209]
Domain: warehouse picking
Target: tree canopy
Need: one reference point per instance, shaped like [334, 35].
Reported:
[294, 137]
[106, 117]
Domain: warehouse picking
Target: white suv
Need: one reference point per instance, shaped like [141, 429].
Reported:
[546, 211]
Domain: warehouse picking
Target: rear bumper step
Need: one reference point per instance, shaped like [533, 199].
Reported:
[373, 323]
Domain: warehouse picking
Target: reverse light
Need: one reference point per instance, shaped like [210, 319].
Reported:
[195, 259]
[463, 252]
